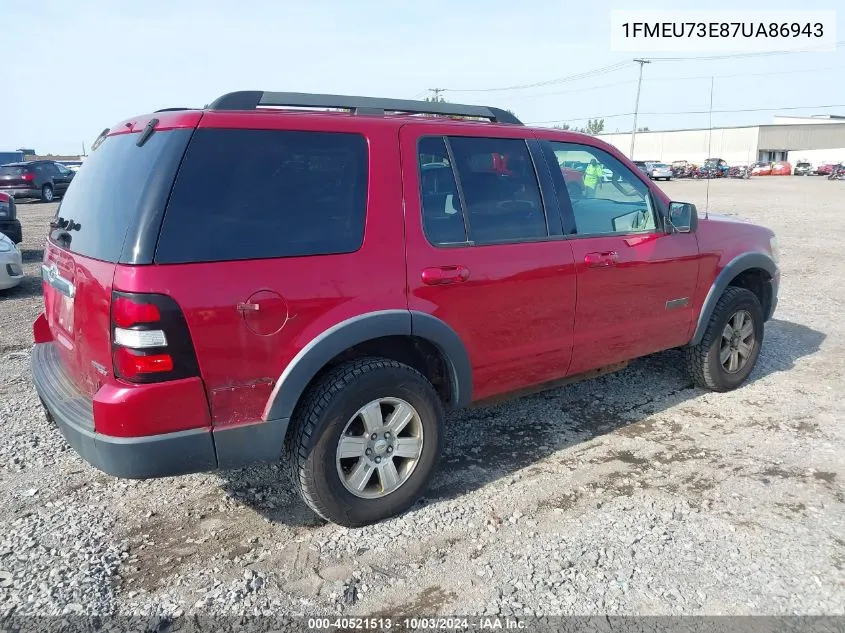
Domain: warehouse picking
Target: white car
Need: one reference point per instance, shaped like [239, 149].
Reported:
[11, 264]
[659, 171]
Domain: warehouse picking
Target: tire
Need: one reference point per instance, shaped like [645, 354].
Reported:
[47, 193]
[331, 410]
[703, 360]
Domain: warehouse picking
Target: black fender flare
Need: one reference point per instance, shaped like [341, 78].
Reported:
[356, 330]
[737, 265]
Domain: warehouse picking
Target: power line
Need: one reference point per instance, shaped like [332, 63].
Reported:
[625, 64]
[811, 49]
[673, 79]
[589, 73]
[613, 116]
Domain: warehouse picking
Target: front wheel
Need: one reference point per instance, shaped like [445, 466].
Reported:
[731, 343]
[365, 441]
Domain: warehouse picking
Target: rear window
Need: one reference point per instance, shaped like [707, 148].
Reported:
[11, 170]
[253, 194]
[119, 182]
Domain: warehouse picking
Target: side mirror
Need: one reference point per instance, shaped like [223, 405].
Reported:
[683, 217]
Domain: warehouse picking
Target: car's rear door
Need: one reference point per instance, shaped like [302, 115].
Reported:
[485, 252]
[635, 281]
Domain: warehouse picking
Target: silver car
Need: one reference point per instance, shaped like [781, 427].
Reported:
[660, 171]
[11, 271]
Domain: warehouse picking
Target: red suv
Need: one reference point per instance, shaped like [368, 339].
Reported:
[242, 284]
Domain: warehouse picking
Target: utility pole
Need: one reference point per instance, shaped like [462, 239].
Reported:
[641, 62]
[435, 93]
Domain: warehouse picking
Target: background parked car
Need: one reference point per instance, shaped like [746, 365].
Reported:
[803, 168]
[44, 179]
[73, 165]
[11, 263]
[825, 168]
[660, 171]
[837, 173]
[642, 166]
[716, 166]
[781, 168]
[761, 168]
[9, 223]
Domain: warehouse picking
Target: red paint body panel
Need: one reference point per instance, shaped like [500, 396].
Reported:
[166, 121]
[125, 410]
[720, 240]
[41, 330]
[622, 310]
[81, 327]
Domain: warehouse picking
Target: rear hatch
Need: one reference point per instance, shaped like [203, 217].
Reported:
[13, 176]
[110, 216]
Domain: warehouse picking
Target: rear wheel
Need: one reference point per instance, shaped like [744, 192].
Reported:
[731, 343]
[47, 193]
[365, 441]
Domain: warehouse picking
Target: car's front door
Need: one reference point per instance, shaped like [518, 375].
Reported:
[636, 282]
[486, 255]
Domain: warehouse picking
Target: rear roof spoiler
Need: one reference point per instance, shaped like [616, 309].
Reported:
[252, 99]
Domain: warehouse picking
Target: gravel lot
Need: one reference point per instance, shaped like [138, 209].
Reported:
[630, 494]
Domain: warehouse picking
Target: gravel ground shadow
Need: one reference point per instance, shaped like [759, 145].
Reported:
[30, 286]
[486, 444]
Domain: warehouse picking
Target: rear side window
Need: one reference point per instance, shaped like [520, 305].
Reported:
[119, 181]
[254, 194]
[494, 199]
[500, 189]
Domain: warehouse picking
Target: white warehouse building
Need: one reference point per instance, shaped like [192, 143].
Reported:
[815, 139]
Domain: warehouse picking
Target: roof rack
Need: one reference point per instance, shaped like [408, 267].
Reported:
[252, 99]
[171, 110]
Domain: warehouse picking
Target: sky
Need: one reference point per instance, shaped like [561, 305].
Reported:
[87, 64]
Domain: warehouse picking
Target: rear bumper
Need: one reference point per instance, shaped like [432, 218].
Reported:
[22, 192]
[12, 229]
[150, 456]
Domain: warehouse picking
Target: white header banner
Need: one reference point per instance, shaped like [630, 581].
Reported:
[709, 31]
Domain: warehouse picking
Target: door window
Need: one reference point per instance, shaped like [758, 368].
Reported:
[479, 190]
[443, 220]
[606, 197]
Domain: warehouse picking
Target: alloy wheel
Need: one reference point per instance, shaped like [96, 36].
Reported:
[737, 342]
[379, 448]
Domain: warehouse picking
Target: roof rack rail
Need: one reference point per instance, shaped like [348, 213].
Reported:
[171, 110]
[252, 99]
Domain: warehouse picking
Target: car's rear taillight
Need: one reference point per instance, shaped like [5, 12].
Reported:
[150, 339]
[28, 176]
